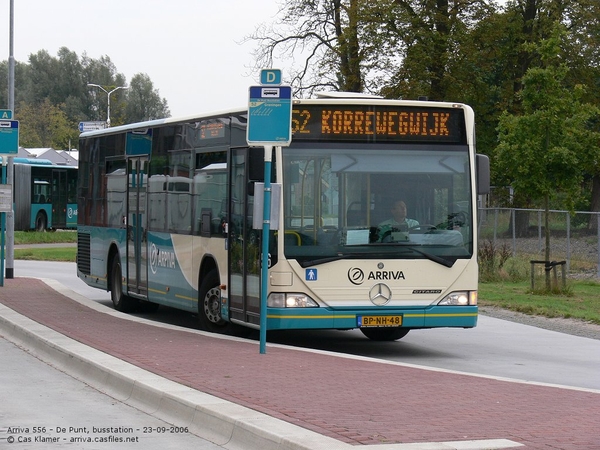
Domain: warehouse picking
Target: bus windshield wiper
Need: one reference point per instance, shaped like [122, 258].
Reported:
[316, 262]
[431, 257]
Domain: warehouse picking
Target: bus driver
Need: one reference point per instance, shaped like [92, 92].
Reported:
[398, 223]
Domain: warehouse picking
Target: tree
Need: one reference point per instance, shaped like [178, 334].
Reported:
[542, 152]
[425, 44]
[582, 48]
[326, 36]
[498, 52]
[52, 96]
[20, 74]
[143, 101]
[45, 125]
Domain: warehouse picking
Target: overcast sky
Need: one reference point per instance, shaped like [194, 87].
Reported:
[191, 49]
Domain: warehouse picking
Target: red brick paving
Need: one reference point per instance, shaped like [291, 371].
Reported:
[354, 401]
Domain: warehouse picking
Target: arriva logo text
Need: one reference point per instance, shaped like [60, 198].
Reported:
[71, 212]
[161, 258]
[386, 275]
[357, 276]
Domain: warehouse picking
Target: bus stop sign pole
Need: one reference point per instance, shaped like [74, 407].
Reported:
[9, 146]
[2, 228]
[264, 262]
[269, 125]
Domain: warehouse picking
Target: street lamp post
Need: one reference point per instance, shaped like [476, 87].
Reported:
[108, 95]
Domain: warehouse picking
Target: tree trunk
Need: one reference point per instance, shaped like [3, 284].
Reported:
[348, 47]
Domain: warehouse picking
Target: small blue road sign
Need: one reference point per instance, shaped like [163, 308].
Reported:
[9, 137]
[270, 116]
[6, 114]
[270, 77]
[91, 126]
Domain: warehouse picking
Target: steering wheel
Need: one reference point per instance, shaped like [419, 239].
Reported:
[460, 219]
[387, 236]
[423, 227]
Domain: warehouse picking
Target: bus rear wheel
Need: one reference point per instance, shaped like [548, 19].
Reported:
[40, 222]
[122, 302]
[385, 334]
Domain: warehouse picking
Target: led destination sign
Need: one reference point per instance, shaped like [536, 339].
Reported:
[369, 123]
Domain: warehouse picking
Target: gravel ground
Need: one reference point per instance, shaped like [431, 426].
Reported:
[581, 252]
[568, 326]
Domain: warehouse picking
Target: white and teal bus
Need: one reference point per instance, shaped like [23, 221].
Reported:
[166, 211]
[44, 195]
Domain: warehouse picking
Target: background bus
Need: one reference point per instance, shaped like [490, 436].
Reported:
[44, 195]
[166, 211]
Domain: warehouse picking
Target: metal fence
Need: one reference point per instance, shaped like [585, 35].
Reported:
[574, 238]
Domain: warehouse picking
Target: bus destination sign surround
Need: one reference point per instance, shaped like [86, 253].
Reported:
[385, 123]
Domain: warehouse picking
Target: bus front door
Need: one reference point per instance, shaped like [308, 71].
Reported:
[244, 245]
[137, 270]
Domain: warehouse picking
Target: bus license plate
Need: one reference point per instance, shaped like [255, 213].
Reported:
[379, 321]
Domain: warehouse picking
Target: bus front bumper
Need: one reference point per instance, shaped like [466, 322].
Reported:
[326, 318]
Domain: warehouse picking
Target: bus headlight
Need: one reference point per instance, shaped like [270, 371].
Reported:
[462, 298]
[290, 300]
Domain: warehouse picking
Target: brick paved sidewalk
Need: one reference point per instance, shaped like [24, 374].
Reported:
[351, 400]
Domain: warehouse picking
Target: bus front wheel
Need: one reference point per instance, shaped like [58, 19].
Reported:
[122, 302]
[385, 334]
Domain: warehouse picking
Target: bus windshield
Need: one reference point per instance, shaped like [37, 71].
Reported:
[386, 201]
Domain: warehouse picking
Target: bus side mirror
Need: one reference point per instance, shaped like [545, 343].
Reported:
[256, 164]
[482, 175]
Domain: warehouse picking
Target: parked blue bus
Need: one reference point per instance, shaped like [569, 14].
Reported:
[44, 195]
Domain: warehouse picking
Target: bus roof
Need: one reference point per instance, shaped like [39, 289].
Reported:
[324, 98]
[165, 121]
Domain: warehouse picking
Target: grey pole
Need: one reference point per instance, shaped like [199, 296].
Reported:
[10, 216]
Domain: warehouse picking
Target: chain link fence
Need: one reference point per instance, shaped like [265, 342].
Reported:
[574, 239]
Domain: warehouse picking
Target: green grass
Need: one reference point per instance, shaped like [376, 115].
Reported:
[46, 254]
[66, 254]
[580, 301]
[50, 237]
[505, 282]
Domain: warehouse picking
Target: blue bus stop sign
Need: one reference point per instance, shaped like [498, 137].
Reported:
[269, 116]
[9, 137]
